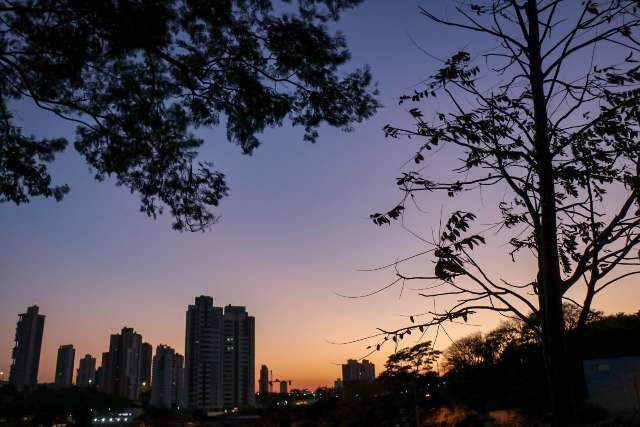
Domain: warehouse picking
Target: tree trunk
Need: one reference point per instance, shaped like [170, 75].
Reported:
[559, 371]
[577, 346]
[576, 350]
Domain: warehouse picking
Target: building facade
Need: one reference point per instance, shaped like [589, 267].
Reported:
[101, 372]
[179, 380]
[203, 355]
[239, 358]
[219, 356]
[122, 373]
[164, 388]
[263, 382]
[146, 356]
[354, 371]
[26, 351]
[284, 387]
[64, 366]
[86, 375]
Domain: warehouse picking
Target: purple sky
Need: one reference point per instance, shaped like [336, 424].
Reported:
[293, 232]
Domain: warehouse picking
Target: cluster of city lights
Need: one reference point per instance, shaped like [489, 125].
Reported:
[110, 420]
[121, 418]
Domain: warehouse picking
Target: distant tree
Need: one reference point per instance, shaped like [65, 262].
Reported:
[415, 360]
[556, 129]
[478, 350]
[502, 338]
[140, 78]
[501, 369]
[466, 352]
[409, 378]
[573, 314]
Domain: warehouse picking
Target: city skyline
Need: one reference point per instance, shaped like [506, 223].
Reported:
[298, 383]
[293, 233]
[66, 374]
[85, 375]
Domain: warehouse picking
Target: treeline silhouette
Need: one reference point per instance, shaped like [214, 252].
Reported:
[500, 370]
[505, 367]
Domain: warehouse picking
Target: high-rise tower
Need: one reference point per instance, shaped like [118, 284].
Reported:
[64, 366]
[122, 373]
[166, 389]
[219, 356]
[26, 351]
[263, 382]
[86, 376]
[146, 356]
[239, 357]
[203, 355]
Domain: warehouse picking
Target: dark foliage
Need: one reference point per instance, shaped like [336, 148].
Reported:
[612, 336]
[47, 405]
[504, 369]
[139, 78]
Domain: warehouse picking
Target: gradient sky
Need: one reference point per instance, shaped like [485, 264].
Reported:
[293, 233]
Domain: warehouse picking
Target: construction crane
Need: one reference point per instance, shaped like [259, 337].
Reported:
[276, 381]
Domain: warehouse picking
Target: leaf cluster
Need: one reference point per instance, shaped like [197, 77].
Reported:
[141, 78]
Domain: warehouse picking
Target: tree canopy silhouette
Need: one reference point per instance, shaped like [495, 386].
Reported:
[417, 359]
[557, 128]
[140, 77]
[503, 368]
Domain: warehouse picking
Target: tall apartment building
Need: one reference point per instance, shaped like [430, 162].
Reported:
[219, 356]
[166, 389]
[203, 355]
[263, 382]
[101, 372]
[368, 371]
[284, 387]
[146, 356]
[64, 366]
[86, 375]
[26, 351]
[238, 363]
[122, 371]
[354, 371]
[179, 380]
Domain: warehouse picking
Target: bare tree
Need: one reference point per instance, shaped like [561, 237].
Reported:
[560, 133]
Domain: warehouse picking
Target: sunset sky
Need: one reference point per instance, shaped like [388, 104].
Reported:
[293, 233]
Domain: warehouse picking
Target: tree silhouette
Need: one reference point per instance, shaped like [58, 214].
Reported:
[416, 360]
[411, 369]
[559, 132]
[140, 77]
